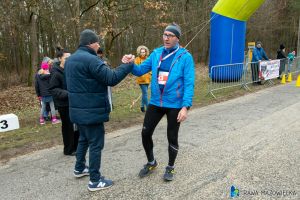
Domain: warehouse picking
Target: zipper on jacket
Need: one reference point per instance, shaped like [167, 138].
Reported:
[161, 93]
[161, 97]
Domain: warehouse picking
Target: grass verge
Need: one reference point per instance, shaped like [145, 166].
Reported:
[32, 136]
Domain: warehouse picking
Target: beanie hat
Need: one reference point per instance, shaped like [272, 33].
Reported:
[88, 37]
[258, 42]
[46, 59]
[44, 66]
[174, 28]
[282, 46]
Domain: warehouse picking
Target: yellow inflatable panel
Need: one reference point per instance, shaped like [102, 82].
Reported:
[237, 9]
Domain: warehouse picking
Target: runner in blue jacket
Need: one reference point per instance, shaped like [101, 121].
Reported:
[172, 91]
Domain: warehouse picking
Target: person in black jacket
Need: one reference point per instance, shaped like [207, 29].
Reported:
[87, 78]
[42, 91]
[59, 93]
[282, 56]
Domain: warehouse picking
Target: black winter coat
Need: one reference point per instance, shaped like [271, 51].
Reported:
[280, 54]
[87, 79]
[58, 88]
[42, 84]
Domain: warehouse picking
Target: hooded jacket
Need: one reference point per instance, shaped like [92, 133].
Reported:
[291, 56]
[179, 89]
[259, 54]
[42, 83]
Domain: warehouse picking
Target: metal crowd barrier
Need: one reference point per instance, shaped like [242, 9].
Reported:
[292, 66]
[243, 74]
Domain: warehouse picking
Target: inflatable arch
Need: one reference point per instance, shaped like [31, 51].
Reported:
[227, 37]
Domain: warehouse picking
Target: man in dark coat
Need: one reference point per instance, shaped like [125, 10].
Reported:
[87, 78]
[282, 56]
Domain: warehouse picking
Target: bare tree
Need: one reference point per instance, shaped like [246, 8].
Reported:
[34, 47]
[30, 29]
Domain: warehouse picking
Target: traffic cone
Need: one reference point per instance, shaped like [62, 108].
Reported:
[298, 81]
[283, 79]
[289, 77]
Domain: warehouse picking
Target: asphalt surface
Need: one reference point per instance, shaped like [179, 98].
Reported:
[251, 142]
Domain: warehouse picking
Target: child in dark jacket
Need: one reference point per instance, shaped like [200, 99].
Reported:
[42, 91]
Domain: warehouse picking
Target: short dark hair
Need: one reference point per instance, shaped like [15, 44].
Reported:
[60, 52]
[100, 51]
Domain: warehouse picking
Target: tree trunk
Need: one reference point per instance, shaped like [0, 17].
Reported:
[298, 45]
[34, 49]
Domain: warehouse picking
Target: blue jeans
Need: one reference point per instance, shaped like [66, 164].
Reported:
[290, 66]
[92, 137]
[44, 113]
[144, 88]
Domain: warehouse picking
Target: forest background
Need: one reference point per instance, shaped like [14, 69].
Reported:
[31, 29]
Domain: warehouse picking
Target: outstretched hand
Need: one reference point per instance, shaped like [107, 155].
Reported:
[127, 58]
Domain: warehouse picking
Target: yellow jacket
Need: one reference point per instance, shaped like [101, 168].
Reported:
[146, 78]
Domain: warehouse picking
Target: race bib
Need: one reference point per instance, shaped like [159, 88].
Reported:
[162, 77]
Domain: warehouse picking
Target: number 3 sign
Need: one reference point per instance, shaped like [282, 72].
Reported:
[9, 122]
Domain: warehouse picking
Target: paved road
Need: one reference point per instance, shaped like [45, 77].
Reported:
[252, 142]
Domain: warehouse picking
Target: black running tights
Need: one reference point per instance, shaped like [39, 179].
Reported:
[153, 115]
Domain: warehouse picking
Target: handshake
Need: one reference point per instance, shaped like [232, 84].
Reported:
[127, 58]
